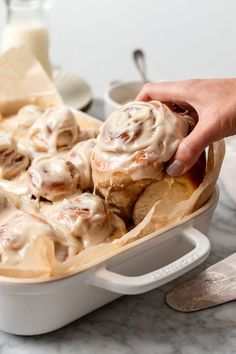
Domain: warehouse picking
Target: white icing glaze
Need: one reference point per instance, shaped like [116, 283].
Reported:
[88, 218]
[18, 230]
[52, 177]
[79, 156]
[56, 129]
[136, 136]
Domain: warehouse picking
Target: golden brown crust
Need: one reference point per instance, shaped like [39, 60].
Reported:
[172, 189]
[119, 189]
[122, 197]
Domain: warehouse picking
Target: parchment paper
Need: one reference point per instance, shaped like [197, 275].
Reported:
[24, 81]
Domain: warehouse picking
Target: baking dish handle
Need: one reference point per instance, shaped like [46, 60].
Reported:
[121, 284]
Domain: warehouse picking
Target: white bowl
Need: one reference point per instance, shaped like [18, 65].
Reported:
[120, 93]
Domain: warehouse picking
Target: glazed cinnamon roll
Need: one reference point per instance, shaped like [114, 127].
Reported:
[132, 147]
[55, 130]
[52, 177]
[12, 159]
[79, 156]
[87, 218]
[18, 233]
[27, 115]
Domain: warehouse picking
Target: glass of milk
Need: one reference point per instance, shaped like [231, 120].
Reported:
[26, 25]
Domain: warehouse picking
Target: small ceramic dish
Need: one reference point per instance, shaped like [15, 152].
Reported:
[119, 93]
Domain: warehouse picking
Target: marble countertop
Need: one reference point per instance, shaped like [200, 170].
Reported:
[144, 323]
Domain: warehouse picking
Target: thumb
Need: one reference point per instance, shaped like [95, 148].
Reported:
[189, 150]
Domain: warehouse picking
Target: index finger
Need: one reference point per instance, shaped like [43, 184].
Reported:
[170, 91]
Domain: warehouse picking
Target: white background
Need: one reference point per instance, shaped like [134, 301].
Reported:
[181, 38]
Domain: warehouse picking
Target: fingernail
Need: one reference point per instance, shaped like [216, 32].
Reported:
[175, 168]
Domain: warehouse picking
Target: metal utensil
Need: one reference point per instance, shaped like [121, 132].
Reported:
[139, 59]
[215, 286]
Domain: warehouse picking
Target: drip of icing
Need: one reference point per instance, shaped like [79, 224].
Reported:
[79, 156]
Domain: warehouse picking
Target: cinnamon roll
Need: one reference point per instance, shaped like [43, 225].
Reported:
[19, 233]
[27, 115]
[132, 147]
[12, 159]
[55, 130]
[51, 177]
[79, 156]
[87, 218]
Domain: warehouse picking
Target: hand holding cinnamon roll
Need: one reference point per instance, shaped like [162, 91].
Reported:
[133, 145]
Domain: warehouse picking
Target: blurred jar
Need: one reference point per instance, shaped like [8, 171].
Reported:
[26, 25]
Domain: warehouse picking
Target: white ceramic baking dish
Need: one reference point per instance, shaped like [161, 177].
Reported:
[29, 309]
